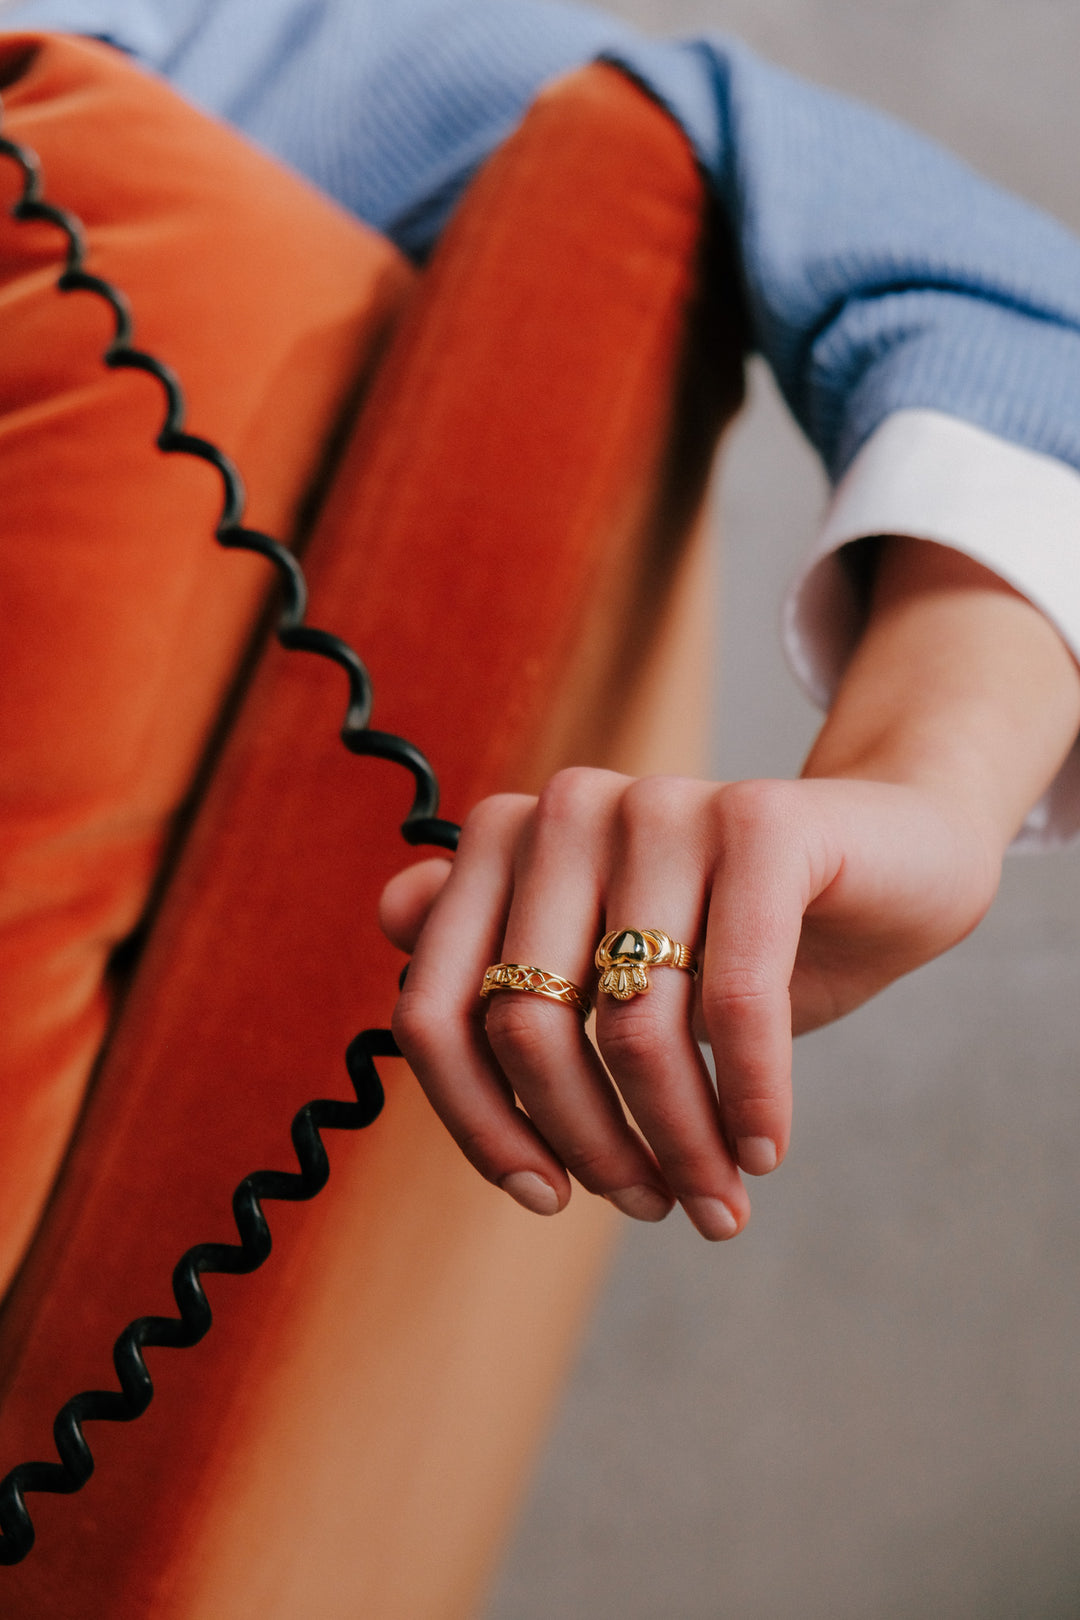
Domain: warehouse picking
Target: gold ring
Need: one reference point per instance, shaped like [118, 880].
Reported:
[515, 976]
[624, 955]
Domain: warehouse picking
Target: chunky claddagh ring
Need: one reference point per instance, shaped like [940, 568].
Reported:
[624, 955]
[515, 976]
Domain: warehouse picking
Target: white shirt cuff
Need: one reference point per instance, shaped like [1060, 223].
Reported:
[933, 477]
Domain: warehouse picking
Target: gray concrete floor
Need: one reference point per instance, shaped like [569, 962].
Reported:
[868, 1408]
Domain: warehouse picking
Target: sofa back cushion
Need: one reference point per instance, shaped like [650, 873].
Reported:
[123, 624]
[502, 538]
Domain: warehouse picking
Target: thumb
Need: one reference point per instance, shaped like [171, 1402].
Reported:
[407, 899]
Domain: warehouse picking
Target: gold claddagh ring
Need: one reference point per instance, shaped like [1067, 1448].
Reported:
[625, 955]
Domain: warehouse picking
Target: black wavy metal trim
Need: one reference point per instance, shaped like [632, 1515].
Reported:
[422, 825]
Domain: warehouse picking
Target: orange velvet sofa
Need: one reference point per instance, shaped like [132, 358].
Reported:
[493, 471]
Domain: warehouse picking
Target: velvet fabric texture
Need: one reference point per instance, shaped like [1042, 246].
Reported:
[123, 623]
[500, 541]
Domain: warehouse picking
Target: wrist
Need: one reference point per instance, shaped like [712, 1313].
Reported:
[978, 833]
[959, 688]
[950, 765]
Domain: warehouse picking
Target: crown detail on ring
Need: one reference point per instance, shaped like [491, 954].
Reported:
[624, 955]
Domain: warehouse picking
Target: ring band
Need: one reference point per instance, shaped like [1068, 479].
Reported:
[624, 955]
[516, 976]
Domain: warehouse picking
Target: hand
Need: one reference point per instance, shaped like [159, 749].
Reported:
[801, 899]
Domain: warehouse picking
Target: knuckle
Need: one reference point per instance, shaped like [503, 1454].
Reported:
[738, 994]
[488, 819]
[418, 1022]
[749, 1113]
[743, 1022]
[744, 811]
[686, 1172]
[634, 1040]
[483, 1151]
[654, 804]
[516, 1031]
[572, 795]
[598, 1169]
[747, 1087]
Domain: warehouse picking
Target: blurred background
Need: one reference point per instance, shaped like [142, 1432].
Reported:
[868, 1408]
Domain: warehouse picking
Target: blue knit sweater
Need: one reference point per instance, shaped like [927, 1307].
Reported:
[881, 273]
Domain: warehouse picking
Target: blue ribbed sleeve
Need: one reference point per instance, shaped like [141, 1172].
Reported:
[881, 273]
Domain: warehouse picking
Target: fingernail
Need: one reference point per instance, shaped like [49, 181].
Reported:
[756, 1155]
[712, 1218]
[641, 1203]
[531, 1192]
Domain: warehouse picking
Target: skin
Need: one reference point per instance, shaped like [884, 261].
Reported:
[802, 899]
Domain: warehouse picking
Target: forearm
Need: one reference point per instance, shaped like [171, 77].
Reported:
[959, 686]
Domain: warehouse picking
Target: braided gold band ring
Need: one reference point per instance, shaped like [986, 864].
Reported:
[516, 976]
[624, 955]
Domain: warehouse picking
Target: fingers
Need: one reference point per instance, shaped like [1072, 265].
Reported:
[438, 1021]
[407, 899]
[658, 880]
[537, 883]
[555, 918]
[760, 887]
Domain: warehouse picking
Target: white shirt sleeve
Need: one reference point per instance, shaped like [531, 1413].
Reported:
[934, 477]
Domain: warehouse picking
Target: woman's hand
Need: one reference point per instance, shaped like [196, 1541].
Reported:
[800, 900]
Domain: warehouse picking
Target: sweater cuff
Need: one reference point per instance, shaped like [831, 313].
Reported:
[933, 477]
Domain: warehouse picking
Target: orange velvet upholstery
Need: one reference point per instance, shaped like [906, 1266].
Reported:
[499, 542]
[123, 625]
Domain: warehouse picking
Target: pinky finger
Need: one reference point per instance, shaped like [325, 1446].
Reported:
[755, 920]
